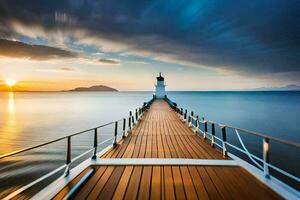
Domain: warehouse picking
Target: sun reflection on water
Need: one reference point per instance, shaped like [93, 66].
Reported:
[11, 105]
[9, 129]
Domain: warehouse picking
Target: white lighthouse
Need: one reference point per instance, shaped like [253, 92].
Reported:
[160, 91]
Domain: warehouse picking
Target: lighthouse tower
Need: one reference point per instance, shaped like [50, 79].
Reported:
[160, 91]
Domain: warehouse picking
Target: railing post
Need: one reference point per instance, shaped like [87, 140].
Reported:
[124, 127]
[95, 143]
[68, 160]
[213, 132]
[129, 121]
[132, 118]
[143, 108]
[116, 133]
[191, 119]
[205, 129]
[192, 113]
[185, 113]
[266, 158]
[197, 124]
[224, 139]
[136, 115]
[181, 113]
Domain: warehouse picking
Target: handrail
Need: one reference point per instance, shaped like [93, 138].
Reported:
[266, 136]
[132, 120]
[52, 141]
[290, 143]
[251, 156]
[193, 121]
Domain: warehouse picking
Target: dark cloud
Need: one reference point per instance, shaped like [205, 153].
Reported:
[35, 52]
[249, 36]
[109, 61]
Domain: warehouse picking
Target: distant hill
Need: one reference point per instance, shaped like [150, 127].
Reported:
[284, 88]
[99, 88]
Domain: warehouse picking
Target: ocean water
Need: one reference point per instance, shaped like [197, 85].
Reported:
[275, 113]
[28, 119]
[31, 118]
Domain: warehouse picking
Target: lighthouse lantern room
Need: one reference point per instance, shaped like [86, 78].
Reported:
[160, 91]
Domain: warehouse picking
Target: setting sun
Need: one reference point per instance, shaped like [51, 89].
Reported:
[10, 82]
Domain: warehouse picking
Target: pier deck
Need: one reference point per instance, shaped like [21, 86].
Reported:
[161, 134]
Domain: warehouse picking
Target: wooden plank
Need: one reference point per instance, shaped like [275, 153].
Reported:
[143, 147]
[209, 185]
[168, 142]
[122, 186]
[186, 148]
[198, 183]
[144, 191]
[154, 143]
[186, 138]
[188, 183]
[149, 146]
[230, 180]
[129, 143]
[137, 146]
[119, 152]
[178, 150]
[100, 184]
[201, 145]
[160, 147]
[218, 184]
[262, 190]
[130, 148]
[133, 186]
[181, 147]
[87, 188]
[156, 183]
[171, 147]
[109, 188]
[167, 151]
[178, 184]
[168, 183]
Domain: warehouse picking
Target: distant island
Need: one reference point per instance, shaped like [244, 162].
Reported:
[284, 88]
[99, 88]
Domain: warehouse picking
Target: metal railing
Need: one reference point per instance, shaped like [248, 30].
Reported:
[223, 144]
[132, 121]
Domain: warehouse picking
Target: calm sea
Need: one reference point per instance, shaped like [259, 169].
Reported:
[28, 119]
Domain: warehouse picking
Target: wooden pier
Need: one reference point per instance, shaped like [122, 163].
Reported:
[159, 137]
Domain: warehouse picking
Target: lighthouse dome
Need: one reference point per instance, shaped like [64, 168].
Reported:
[160, 78]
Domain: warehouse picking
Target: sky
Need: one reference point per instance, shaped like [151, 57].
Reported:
[197, 44]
